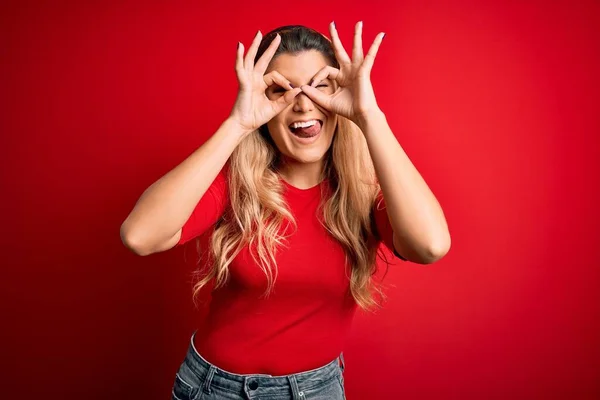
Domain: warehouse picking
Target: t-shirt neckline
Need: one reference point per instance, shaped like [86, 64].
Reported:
[295, 189]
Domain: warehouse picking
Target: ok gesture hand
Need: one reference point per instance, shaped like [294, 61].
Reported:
[252, 108]
[354, 98]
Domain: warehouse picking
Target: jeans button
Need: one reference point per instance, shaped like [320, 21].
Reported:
[253, 385]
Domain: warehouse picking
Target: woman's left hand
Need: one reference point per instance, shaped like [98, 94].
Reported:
[354, 98]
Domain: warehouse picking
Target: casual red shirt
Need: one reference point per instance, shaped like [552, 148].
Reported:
[303, 324]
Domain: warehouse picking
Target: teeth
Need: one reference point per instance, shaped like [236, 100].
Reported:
[306, 124]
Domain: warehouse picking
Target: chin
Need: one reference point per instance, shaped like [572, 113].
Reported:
[308, 158]
[312, 153]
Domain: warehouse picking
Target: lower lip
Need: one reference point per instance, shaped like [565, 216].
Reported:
[307, 140]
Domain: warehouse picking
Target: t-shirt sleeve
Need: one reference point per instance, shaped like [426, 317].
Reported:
[208, 210]
[382, 225]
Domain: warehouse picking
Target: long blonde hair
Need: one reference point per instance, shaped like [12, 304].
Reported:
[257, 210]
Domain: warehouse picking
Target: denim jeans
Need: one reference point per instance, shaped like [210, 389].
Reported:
[197, 379]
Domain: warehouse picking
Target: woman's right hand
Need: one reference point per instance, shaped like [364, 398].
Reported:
[252, 108]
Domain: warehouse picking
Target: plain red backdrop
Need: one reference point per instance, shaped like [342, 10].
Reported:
[495, 103]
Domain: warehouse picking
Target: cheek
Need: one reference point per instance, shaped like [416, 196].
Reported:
[277, 133]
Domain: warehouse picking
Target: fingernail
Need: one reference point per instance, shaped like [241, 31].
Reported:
[383, 36]
[257, 33]
[238, 45]
[333, 23]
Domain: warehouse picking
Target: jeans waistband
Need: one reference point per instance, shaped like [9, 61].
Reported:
[213, 375]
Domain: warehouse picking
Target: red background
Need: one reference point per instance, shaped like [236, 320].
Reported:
[496, 105]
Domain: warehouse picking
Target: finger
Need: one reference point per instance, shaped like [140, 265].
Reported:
[317, 96]
[285, 100]
[357, 50]
[370, 57]
[265, 59]
[275, 77]
[249, 61]
[239, 59]
[338, 48]
[325, 72]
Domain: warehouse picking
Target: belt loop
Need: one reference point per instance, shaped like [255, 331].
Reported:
[208, 380]
[343, 364]
[296, 394]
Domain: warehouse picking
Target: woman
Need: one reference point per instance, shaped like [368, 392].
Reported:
[288, 203]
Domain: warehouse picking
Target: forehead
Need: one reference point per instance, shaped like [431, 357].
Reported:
[302, 66]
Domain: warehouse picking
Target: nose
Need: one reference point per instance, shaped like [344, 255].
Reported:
[303, 103]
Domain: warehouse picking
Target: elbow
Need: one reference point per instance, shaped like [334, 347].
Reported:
[425, 254]
[437, 250]
[131, 243]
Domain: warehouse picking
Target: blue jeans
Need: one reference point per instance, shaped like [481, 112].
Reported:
[197, 379]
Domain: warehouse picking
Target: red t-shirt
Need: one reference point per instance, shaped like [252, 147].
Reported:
[302, 325]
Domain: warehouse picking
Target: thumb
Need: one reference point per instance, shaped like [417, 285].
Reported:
[285, 100]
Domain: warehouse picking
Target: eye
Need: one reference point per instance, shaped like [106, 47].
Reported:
[323, 85]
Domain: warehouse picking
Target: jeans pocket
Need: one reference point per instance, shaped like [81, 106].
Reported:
[184, 390]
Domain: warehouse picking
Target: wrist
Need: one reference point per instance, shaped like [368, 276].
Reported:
[366, 119]
[234, 125]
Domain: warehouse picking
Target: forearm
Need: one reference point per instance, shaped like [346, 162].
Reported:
[166, 205]
[420, 228]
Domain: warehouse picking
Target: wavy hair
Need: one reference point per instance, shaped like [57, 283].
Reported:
[257, 209]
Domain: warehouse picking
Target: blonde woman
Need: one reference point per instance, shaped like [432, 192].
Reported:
[289, 201]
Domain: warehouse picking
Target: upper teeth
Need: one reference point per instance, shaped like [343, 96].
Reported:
[303, 124]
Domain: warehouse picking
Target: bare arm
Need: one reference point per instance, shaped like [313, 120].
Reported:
[420, 229]
[155, 222]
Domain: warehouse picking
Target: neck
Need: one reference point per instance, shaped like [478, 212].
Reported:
[302, 175]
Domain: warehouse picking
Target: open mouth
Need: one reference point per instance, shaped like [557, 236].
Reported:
[308, 132]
